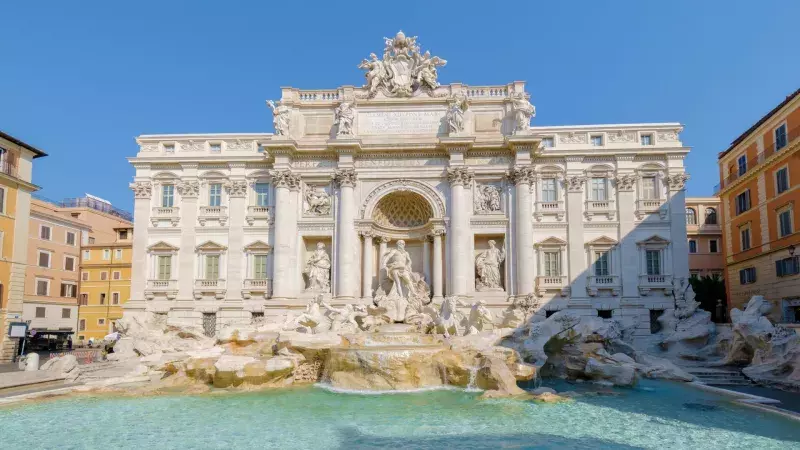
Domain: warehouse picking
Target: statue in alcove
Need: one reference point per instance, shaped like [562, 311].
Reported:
[487, 264]
[408, 292]
[318, 270]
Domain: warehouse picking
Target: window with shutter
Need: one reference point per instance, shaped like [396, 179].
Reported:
[212, 267]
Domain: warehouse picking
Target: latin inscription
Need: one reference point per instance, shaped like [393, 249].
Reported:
[399, 122]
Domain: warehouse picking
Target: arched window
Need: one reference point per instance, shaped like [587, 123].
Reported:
[711, 216]
[691, 216]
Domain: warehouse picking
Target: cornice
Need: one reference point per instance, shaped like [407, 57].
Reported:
[761, 167]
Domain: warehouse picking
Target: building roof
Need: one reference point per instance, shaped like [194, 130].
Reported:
[36, 152]
[766, 117]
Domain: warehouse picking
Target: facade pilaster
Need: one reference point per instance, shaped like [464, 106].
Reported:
[345, 235]
[437, 265]
[426, 259]
[523, 178]
[628, 252]
[677, 226]
[382, 246]
[188, 189]
[284, 283]
[237, 191]
[576, 252]
[460, 179]
[142, 191]
[366, 267]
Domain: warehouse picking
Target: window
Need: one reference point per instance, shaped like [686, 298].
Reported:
[91, 240]
[599, 189]
[123, 235]
[713, 246]
[212, 267]
[169, 148]
[780, 137]
[215, 148]
[40, 312]
[694, 274]
[118, 254]
[785, 222]
[260, 267]
[102, 298]
[84, 299]
[742, 162]
[261, 193]
[44, 259]
[692, 246]
[649, 188]
[44, 232]
[164, 271]
[103, 276]
[116, 275]
[65, 313]
[743, 202]
[549, 192]
[42, 287]
[711, 216]
[69, 290]
[787, 266]
[547, 142]
[691, 216]
[2, 200]
[601, 260]
[745, 235]
[85, 276]
[647, 139]
[653, 258]
[747, 276]
[106, 254]
[604, 313]
[82, 325]
[167, 195]
[214, 194]
[597, 140]
[69, 263]
[782, 180]
[552, 264]
[101, 321]
[70, 238]
[115, 298]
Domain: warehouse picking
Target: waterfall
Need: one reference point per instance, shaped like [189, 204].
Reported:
[473, 373]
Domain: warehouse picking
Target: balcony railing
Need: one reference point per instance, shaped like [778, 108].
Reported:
[168, 288]
[213, 213]
[209, 284]
[593, 207]
[258, 212]
[762, 156]
[257, 285]
[550, 208]
[552, 283]
[8, 169]
[649, 282]
[171, 213]
[606, 282]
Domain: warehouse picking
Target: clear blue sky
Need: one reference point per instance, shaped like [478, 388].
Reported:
[82, 79]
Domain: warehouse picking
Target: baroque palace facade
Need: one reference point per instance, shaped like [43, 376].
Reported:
[406, 190]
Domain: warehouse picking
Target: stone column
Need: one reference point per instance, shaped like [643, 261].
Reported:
[141, 219]
[523, 177]
[437, 265]
[381, 251]
[188, 189]
[576, 277]
[628, 254]
[460, 178]
[345, 236]
[237, 270]
[426, 259]
[284, 273]
[677, 225]
[366, 268]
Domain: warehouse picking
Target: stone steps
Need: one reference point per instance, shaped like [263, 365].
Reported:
[720, 377]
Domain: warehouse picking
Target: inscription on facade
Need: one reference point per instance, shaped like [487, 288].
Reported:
[399, 122]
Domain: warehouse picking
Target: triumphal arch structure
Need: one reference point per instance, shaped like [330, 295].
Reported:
[403, 189]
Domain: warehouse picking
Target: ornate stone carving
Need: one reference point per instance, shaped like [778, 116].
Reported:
[280, 118]
[239, 145]
[147, 148]
[523, 175]
[188, 189]
[317, 202]
[403, 185]
[408, 292]
[318, 270]
[487, 199]
[572, 138]
[457, 107]
[523, 112]
[621, 136]
[480, 318]
[626, 183]
[345, 178]
[285, 179]
[668, 136]
[575, 183]
[459, 176]
[236, 188]
[191, 146]
[487, 266]
[677, 182]
[402, 70]
[344, 119]
[142, 189]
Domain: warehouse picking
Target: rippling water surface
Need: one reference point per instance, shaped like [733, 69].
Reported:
[655, 415]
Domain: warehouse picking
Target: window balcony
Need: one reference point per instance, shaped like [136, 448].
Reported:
[219, 213]
[649, 282]
[209, 287]
[261, 286]
[600, 207]
[170, 213]
[596, 283]
[550, 208]
[556, 283]
[258, 213]
[167, 288]
[649, 206]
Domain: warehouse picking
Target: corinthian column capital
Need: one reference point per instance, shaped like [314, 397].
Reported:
[459, 176]
[345, 178]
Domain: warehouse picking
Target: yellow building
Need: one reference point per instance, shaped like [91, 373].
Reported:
[16, 168]
[105, 285]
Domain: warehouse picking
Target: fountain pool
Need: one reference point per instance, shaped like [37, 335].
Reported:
[654, 415]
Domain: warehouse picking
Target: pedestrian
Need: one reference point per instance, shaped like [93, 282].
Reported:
[69, 342]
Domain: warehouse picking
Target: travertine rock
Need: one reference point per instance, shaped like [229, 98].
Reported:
[229, 370]
[620, 375]
[494, 375]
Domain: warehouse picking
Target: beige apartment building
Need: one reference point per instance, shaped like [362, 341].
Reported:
[704, 233]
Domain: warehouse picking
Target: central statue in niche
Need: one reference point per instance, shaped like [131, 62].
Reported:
[408, 292]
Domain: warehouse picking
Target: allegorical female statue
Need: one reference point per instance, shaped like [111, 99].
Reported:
[488, 267]
[318, 270]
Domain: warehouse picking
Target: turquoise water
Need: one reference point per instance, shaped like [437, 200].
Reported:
[655, 415]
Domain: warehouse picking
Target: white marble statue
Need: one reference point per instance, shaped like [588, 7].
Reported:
[425, 71]
[344, 119]
[318, 202]
[280, 118]
[487, 199]
[450, 320]
[402, 70]
[480, 318]
[487, 265]
[318, 270]
[312, 320]
[408, 292]
[455, 114]
[523, 112]
[343, 320]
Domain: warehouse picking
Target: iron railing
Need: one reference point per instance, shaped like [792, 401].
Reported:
[87, 202]
[752, 163]
[8, 169]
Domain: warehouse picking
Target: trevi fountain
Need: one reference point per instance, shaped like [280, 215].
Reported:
[300, 289]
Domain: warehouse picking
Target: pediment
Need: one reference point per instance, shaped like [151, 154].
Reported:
[258, 246]
[210, 246]
[602, 240]
[552, 241]
[654, 240]
[162, 246]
